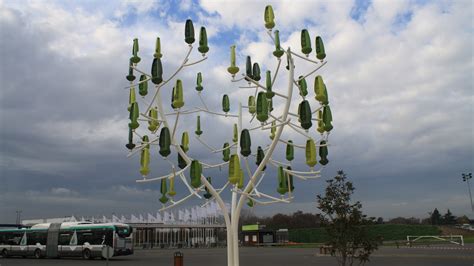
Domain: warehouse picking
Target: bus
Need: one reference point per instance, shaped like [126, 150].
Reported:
[80, 239]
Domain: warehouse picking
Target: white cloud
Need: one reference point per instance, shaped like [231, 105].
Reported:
[185, 5]
[60, 191]
[401, 94]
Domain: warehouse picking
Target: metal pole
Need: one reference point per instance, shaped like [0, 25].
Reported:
[466, 177]
[18, 217]
[470, 195]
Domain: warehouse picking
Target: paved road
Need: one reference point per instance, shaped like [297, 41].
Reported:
[386, 256]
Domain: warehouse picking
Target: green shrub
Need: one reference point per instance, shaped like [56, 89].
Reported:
[387, 231]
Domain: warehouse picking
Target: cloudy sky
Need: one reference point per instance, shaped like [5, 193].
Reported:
[399, 76]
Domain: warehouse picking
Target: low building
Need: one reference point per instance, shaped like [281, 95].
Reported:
[258, 235]
[158, 235]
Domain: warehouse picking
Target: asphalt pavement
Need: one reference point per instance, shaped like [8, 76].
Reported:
[272, 256]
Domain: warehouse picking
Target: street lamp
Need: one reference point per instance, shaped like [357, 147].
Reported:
[465, 178]
[18, 217]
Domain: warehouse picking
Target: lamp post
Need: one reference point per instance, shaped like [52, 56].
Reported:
[465, 178]
[18, 217]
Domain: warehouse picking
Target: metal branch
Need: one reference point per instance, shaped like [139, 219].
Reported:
[276, 72]
[140, 147]
[186, 58]
[140, 82]
[176, 203]
[219, 191]
[302, 172]
[148, 118]
[292, 144]
[175, 125]
[317, 109]
[263, 195]
[168, 176]
[272, 161]
[249, 172]
[215, 113]
[313, 119]
[312, 175]
[268, 202]
[191, 190]
[210, 166]
[142, 72]
[293, 127]
[269, 32]
[138, 135]
[202, 101]
[262, 87]
[304, 58]
[237, 80]
[212, 149]
[186, 112]
[230, 146]
[306, 177]
[277, 125]
[310, 73]
[205, 144]
[196, 62]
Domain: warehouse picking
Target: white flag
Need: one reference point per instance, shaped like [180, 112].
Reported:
[158, 218]
[186, 215]
[194, 217]
[200, 212]
[134, 219]
[180, 215]
[151, 218]
[215, 209]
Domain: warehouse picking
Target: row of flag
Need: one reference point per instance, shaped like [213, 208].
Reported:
[195, 215]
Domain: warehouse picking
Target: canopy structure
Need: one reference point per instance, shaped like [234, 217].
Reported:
[271, 108]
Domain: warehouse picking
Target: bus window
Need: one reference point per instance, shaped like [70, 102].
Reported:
[23, 239]
[73, 241]
[84, 237]
[42, 237]
[14, 238]
[123, 231]
[3, 238]
[107, 237]
[101, 236]
[34, 237]
[64, 238]
[31, 238]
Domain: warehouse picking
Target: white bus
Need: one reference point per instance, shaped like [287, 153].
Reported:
[53, 240]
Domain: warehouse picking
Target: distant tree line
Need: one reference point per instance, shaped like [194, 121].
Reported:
[298, 219]
[301, 219]
[434, 218]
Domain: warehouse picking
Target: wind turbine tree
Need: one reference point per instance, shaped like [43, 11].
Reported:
[309, 117]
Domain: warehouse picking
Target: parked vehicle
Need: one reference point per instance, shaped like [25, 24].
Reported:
[80, 239]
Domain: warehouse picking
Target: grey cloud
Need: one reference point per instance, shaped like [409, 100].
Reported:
[402, 105]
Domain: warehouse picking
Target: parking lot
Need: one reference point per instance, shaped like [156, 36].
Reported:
[386, 256]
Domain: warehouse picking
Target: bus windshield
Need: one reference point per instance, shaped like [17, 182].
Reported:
[123, 231]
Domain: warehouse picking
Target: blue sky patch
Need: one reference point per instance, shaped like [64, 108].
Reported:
[401, 21]
[359, 10]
